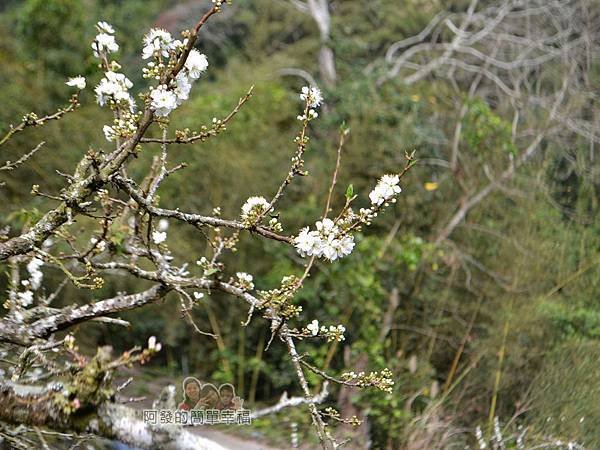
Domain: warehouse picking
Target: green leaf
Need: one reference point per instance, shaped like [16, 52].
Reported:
[349, 191]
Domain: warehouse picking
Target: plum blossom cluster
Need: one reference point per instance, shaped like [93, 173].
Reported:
[333, 333]
[312, 97]
[165, 98]
[113, 90]
[385, 190]
[280, 299]
[244, 281]
[208, 267]
[159, 235]
[99, 244]
[78, 82]
[328, 241]
[159, 45]
[153, 347]
[382, 195]
[104, 42]
[253, 209]
[35, 274]
[381, 380]
[24, 298]
[123, 127]
[153, 344]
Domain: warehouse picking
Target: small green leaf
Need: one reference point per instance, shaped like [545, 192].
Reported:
[349, 191]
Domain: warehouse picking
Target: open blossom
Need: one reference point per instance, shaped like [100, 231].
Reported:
[343, 246]
[157, 41]
[25, 298]
[335, 333]
[311, 95]
[98, 244]
[35, 274]
[196, 63]
[313, 327]
[332, 248]
[78, 82]
[109, 133]
[158, 237]
[105, 27]
[385, 189]
[114, 86]
[245, 279]
[326, 226]
[254, 206]
[183, 87]
[326, 241]
[198, 295]
[308, 243]
[104, 42]
[163, 101]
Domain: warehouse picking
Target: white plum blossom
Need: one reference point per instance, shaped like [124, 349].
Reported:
[202, 261]
[98, 244]
[153, 344]
[163, 225]
[178, 44]
[105, 27]
[308, 242]
[327, 241]
[245, 279]
[25, 298]
[183, 87]
[78, 82]
[104, 42]
[343, 246]
[158, 237]
[253, 207]
[326, 226]
[312, 114]
[109, 133]
[313, 327]
[114, 87]
[198, 295]
[196, 63]
[311, 95]
[328, 247]
[163, 101]
[335, 333]
[157, 41]
[35, 274]
[385, 189]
